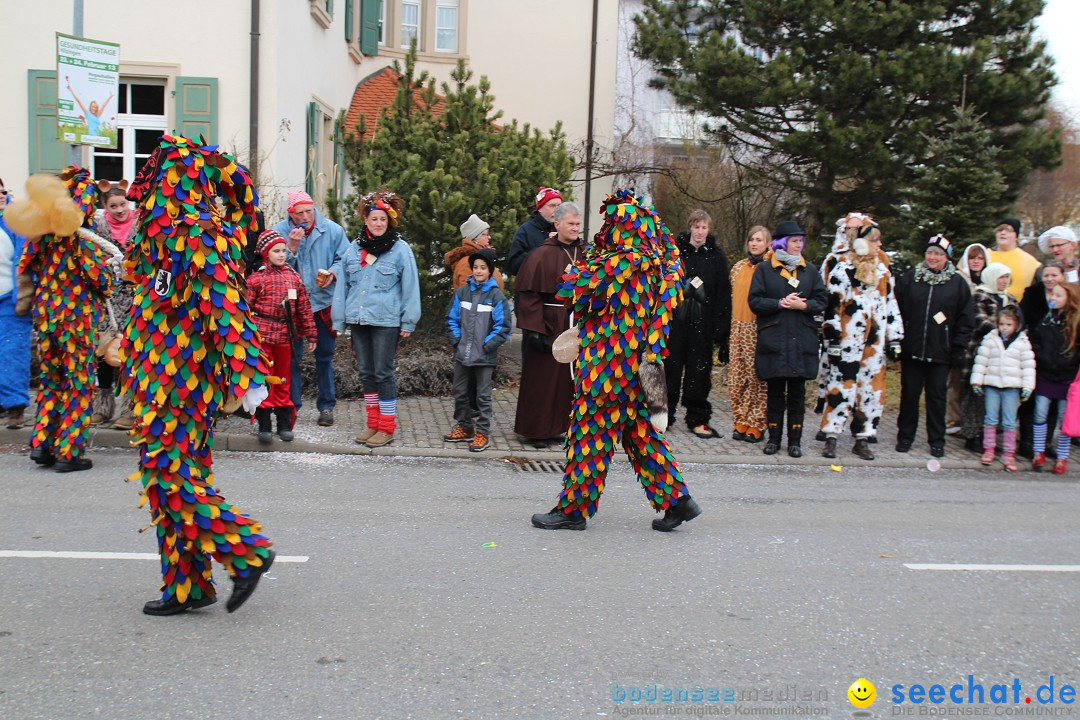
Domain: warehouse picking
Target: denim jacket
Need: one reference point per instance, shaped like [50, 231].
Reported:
[385, 293]
[321, 250]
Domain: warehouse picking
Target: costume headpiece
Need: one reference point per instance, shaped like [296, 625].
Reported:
[383, 200]
[941, 243]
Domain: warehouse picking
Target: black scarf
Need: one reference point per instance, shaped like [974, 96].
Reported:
[377, 245]
[755, 259]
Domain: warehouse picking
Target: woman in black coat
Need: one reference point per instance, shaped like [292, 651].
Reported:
[785, 294]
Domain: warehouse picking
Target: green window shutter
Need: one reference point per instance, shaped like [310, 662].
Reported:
[349, 20]
[369, 27]
[197, 107]
[339, 164]
[46, 150]
[311, 166]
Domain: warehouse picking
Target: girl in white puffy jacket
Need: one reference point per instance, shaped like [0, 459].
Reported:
[1004, 372]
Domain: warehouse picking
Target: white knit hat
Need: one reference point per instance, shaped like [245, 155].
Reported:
[473, 227]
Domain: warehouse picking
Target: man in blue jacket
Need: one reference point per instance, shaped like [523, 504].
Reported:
[315, 248]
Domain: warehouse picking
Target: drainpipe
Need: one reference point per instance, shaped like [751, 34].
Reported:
[587, 210]
[253, 100]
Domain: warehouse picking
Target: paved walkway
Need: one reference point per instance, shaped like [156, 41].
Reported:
[423, 421]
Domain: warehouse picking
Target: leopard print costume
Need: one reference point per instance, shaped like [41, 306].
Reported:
[746, 392]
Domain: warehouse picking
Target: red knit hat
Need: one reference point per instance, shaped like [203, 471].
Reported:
[298, 197]
[545, 195]
[267, 240]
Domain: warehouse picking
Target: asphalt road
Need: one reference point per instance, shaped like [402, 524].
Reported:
[426, 593]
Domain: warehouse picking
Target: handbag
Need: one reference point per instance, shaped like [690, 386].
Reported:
[108, 347]
[1070, 424]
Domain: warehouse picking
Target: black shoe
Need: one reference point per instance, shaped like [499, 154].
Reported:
[973, 444]
[872, 440]
[862, 449]
[738, 436]
[174, 606]
[66, 466]
[42, 456]
[266, 437]
[794, 451]
[903, 446]
[326, 418]
[771, 448]
[751, 438]
[558, 520]
[830, 448]
[937, 450]
[821, 436]
[284, 424]
[243, 587]
[685, 511]
[539, 444]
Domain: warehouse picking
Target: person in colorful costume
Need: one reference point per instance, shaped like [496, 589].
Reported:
[623, 294]
[190, 348]
[72, 279]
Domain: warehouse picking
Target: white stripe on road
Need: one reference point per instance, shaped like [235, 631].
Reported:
[995, 568]
[79, 555]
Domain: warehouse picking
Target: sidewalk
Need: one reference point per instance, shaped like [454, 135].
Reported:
[422, 422]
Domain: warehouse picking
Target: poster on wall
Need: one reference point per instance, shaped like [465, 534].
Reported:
[87, 83]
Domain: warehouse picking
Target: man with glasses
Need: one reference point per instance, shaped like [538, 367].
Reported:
[1022, 265]
[1060, 243]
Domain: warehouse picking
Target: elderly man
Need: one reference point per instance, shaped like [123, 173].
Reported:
[1022, 266]
[534, 231]
[315, 248]
[1060, 243]
[547, 386]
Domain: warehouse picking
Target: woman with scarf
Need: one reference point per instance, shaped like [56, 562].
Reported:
[935, 304]
[785, 294]
[989, 297]
[746, 391]
[379, 299]
[861, 321]
[116, 223]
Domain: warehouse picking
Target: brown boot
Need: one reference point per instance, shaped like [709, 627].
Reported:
[385, 435]
[127, 415]
[104, 407]
[372, 425]
[15, 417]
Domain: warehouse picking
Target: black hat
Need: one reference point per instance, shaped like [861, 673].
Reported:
[1012, 222]
[487, 255]
[787, 228]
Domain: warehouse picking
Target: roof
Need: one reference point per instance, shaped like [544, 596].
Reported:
[376, 92]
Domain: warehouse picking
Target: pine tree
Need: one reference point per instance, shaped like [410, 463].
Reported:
[840, 98]
[447, 159]
[959, 192]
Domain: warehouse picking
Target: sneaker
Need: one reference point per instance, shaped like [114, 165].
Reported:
[685, 511]
[326, 418]
[558, 520]
[953, 429]
[458, 434]
[479, 443]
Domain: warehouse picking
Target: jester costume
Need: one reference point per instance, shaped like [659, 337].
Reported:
[189, 348]
[72, 278]
[623, 294]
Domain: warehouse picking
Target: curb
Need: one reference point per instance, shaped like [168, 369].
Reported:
[237, 442]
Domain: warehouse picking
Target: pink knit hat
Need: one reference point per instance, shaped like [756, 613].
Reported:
[545, 195]
[298, 197]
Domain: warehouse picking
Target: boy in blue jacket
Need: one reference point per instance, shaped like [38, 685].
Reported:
[479, 322]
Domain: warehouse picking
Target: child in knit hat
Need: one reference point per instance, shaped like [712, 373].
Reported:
[276, 294]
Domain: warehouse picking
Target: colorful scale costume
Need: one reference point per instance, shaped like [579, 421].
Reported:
[623, 294]
[72, 278]
[189, 348]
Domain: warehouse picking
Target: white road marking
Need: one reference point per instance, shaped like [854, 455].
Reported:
[993, 568]
[80, 555]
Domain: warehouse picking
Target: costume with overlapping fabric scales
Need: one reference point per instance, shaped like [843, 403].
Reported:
[623, 293]
[72, 278]
[189, 348]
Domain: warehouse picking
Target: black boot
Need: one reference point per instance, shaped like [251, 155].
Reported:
[772, 445]
[42, 455]
[862, 449]
[243, 587]
[794, 440]
[830, 448]
[266, 427]
[73, 465]
[172, 606]
[685, 511]
[558, 520]
[284, 423]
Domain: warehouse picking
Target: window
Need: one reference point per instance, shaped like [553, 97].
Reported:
[382, 22]
[446, 26]
[141, 119]
[410, 24]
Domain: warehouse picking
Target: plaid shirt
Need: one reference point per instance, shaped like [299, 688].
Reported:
[267, 288]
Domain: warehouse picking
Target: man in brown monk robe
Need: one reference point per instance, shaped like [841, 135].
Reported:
[547, 387]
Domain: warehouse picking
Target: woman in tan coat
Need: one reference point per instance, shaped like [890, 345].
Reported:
[475, 236]
[746, 391]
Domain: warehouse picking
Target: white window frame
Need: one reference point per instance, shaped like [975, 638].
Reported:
[448, 5]
[419, 24]
[128, 123]
[382, 22]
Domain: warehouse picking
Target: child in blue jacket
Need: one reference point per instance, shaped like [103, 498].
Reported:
[479, 322]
